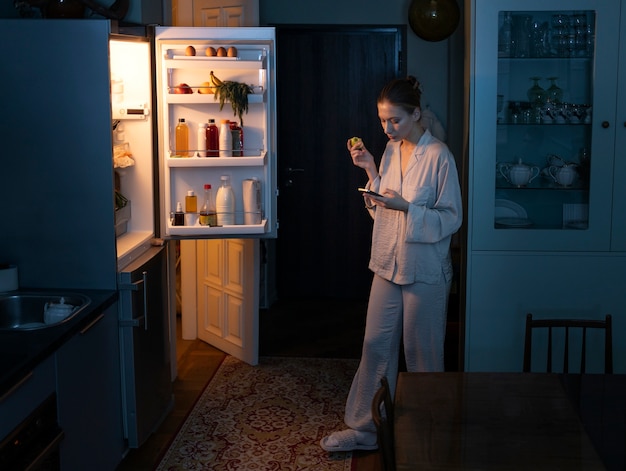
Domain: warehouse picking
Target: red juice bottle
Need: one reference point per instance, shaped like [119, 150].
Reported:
[212, 139]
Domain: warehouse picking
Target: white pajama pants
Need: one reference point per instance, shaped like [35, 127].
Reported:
[416, 314]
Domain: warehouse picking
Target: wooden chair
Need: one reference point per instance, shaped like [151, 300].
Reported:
[382, 413]
[566, 325]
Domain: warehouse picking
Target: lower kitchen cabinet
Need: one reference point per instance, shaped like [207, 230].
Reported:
[28, 394]
[89, 396]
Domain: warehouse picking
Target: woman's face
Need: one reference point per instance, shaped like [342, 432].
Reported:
[396, 122]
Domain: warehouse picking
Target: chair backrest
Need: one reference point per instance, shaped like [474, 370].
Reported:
[566, 325]
[382, 413]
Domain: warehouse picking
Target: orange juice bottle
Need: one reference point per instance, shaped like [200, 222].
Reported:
[182, 139]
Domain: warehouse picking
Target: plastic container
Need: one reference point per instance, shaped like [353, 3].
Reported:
[201, 145]
[182, 139]
[226, 139]
[251, 191]
[225, 203]
[208, 216]
[212, 139]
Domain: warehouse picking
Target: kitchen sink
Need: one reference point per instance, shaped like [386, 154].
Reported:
[32, 311]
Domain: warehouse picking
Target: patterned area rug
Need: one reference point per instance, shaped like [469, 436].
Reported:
[269, 417]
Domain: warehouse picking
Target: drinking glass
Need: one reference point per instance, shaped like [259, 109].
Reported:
[536, 94]
[559, 35]
[538, 38]
[554, 92]
[521, 35]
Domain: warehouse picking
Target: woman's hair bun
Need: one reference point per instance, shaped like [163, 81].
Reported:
[414, 83]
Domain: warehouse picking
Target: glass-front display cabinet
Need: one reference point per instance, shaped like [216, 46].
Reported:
[543, 105]
[546, 159]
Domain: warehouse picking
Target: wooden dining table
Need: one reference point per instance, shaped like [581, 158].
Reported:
[509, 421]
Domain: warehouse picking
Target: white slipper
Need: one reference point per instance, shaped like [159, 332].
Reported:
[344, 440]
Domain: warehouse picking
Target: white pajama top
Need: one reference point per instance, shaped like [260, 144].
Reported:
[414, 246]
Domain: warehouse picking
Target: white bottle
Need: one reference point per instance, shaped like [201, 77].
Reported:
[201, 147]
[226, 139]
[225, 203]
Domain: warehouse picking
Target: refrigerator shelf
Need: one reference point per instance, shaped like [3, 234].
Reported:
[235, 229]
[256, 161]
[218, 63]
[199, 98]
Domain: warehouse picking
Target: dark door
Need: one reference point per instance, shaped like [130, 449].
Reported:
[328, 80]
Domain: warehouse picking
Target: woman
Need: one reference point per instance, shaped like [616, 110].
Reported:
[414, 218]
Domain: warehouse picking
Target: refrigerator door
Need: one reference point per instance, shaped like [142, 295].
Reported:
[134, 142]
[145, 344]
[186, 90]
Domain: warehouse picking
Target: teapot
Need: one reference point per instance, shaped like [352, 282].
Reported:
[519, 174]
[564, 175]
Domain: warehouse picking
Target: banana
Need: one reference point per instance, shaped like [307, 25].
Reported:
[216, 82]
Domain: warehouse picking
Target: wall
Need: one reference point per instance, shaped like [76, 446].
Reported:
[437, 65]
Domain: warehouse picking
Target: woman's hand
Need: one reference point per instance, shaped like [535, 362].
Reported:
[361, 157]
[392, 200]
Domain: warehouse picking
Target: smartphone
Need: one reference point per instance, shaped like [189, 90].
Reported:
[370, 192]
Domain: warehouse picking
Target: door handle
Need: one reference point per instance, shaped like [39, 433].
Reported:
[145, 300]
[290, 170]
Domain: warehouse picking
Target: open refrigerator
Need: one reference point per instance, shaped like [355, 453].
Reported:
[152, 176]
[146, 107]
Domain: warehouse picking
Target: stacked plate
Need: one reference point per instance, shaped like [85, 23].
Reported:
[510, 214]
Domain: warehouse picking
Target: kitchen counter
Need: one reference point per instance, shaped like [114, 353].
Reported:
[22, 351]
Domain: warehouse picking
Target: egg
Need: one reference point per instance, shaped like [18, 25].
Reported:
[232, 51]
[211, 51]
[221, 52]
[190, 51]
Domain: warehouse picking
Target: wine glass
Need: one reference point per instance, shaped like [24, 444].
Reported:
[555, 93]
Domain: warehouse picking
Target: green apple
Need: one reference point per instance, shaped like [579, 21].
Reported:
[355, 141]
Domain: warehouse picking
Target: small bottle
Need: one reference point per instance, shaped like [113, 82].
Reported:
[212, 139]
[226, 139]
[208, 217]
[225, 202]
[182, 139]
[201, 146]
[237, 133]
[191, 202]
[179, 215]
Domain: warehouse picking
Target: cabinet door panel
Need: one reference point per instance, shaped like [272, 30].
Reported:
[503, 288]
[89, 397]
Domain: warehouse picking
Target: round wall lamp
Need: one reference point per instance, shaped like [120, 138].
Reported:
[434, 20]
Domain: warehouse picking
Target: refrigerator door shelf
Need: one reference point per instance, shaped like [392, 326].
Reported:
[235, 229]
[217, 161]
[188, 62]
[202, 98]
